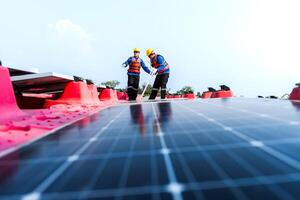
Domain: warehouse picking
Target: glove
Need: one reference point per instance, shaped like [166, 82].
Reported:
[124, 65]
[154, 72]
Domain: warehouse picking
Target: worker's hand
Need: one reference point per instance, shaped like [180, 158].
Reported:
[124, 65]
[153, 72]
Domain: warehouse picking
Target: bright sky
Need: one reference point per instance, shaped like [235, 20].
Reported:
[253, 46]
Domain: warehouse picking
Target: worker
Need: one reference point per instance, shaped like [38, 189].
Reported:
[135, 63]
[163, 70]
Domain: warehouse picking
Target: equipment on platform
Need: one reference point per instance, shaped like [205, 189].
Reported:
[41, 83]
[210, 89]
[224, 87]
[89, 82]
[78, 78]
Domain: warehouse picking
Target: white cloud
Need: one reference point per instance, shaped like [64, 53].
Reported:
[65, 28]
[71, 37]
[71, 48]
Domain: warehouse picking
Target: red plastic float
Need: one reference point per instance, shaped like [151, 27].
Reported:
[17, 127]
[94, 94]
[206, 95]
[295, 94]
[222, 94]
[189, 96]
[8, 104]
[108, 95]
[76, 93]
[122, 95]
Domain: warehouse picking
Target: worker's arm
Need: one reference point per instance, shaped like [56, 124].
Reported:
[160, 61]
[127, 62]
[145, 68]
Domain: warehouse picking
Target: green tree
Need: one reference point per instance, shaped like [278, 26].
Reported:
[186, 90]
[148, 90]
[111, 84]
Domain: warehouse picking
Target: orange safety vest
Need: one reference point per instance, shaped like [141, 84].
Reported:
[155, 64]
[135, 65]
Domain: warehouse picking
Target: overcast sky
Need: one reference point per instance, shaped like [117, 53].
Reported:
[252, 46]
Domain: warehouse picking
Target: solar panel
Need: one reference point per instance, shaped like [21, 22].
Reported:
[18, 72]
[40, 83]
[203, 149]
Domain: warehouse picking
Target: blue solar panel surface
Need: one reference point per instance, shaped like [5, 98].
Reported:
[203, 149]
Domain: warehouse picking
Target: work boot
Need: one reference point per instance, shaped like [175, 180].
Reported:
[163, 93]
[153, 94]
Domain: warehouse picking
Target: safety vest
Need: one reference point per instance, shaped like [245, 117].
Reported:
[155, 64]
[135, 65]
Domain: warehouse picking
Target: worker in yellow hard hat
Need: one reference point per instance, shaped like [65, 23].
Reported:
[135, 63]
[163, 71]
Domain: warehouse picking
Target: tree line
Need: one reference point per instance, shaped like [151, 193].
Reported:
[113, 84]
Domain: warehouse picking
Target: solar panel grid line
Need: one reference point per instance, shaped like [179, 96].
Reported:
[125, 154]
[274, 188]
[81, 158]
[187, 171]
[278, 155]
[240, 161]
[255, 113]
[205, 185]
[285, 158]
[184, 149]
[235, 190]
[168, 163]
[50, 179]
[153, 162]
[154, 175]
[229, 182]
[173, 133]
[121, 154]
[13, 149]
[182, 140]
[242, 182]
[267, 102]
[105, 193]
[124, 177]
[84, 194]
[277, 190]
[120, 187]
[235, 118]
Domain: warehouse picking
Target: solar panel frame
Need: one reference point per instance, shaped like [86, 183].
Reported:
[18, 72]
[41, 83]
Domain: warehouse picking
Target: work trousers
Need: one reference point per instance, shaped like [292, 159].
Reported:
[161, 81]
[133, 87]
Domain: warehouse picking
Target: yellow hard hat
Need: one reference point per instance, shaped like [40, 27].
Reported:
[136, 50]
[149, 51]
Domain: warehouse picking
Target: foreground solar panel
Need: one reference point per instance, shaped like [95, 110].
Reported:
[214, 149]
